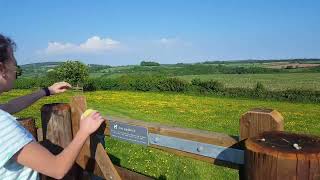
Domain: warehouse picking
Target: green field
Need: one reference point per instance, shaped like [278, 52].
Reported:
[208, 113]
[278, 81]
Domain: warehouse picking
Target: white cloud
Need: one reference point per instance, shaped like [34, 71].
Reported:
[167, 41]
[94, 44]
[173, 42]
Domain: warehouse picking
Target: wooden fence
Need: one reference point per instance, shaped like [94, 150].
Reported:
[249, 152]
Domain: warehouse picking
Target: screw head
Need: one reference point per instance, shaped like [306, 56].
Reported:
[200, 148]
[156, 139]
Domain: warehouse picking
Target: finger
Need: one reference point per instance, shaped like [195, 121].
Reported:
[95, 114]
[101, 121]
[66, 84]
[62, 90]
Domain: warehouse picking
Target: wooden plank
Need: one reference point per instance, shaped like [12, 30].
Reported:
[123, 172]
[92, 148]
[78, 105]
[219, 139]
[129, 175]
[184, 133]
[105, 164]
[39, 134]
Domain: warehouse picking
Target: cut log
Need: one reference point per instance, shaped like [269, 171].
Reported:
[281, 155]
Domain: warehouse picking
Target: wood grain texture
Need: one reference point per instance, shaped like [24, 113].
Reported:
[57, 132]
[105, 164]
[56, 123]
[276, 158]
[184, 133]
[257, 121]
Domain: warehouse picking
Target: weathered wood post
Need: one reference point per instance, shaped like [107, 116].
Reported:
[57, 132]
[280, 155]
[255, 122]
[259, 120]
[93, 151]
[56, 124]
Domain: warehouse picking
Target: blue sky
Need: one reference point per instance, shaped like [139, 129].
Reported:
[168, 31]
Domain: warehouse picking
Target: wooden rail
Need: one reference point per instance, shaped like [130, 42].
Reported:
[60, 122]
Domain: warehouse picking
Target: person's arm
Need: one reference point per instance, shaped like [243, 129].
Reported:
[36, 157]
[20, 103]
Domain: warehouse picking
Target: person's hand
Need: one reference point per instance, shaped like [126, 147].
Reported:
[90, 123]
[59, 87]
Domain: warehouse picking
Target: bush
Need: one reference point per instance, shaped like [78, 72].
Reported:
[196, 82]
[107, 84]
[173, 84]
[149, 63]
[90, 85]
[211, 86]
[160, 83]
[259, 90]
[25, 83]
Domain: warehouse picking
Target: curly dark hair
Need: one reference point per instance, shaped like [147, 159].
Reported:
[5, 43]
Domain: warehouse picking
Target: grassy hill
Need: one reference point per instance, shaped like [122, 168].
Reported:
[180, 69]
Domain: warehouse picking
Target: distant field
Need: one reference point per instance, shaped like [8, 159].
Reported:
[208, 113]
[278, 81]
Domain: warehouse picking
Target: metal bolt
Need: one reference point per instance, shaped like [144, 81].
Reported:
[297, 146]
[200, 148]
[156, 139]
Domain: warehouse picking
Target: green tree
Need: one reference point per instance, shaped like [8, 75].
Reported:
[73, 72]
[149, 63]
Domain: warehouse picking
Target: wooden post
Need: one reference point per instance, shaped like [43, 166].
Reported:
[57, 132]
[259, 120]
[281, 155]
[56, 124]
[92, 149]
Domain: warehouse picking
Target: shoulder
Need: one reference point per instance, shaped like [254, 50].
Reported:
[13, 136]
[10, 125]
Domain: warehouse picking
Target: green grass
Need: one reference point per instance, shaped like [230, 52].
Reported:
[208, 113]
[278, 81]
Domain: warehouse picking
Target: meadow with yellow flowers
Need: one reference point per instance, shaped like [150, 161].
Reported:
[217, 114]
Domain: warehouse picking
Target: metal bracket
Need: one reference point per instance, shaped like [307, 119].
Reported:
[203, 149]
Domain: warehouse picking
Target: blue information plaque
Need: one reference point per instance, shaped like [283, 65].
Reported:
[133, 134]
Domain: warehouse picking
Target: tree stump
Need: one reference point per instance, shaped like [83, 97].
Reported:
[280, 155]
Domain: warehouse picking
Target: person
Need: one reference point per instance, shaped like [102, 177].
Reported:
[21, 157]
